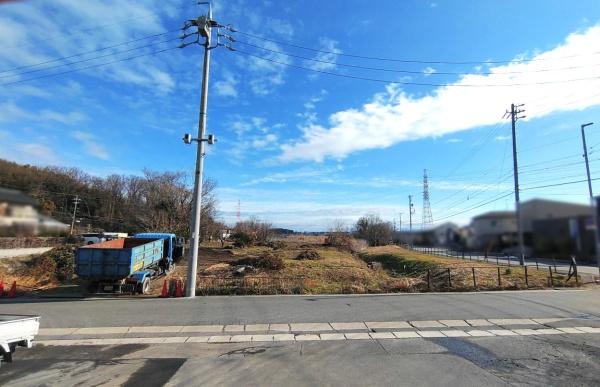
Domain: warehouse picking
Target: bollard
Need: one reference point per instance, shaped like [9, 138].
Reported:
[474, 280]
[499, 278]
[429, 279]
[526, 278]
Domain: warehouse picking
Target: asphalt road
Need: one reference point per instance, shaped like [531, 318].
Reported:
[530, 359]
[260, 309]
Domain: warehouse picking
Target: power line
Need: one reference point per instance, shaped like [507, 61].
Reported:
[86, 52]
[558, 184]
[88, 67]
[421, 72]
[86, 60]
[409, 60]
[387, 81]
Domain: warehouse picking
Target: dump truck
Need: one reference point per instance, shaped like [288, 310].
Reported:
[16, 331]
[126, 265]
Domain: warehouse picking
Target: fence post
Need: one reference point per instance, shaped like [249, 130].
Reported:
[499, 278]
[554, 260]
[497, 259]
[474, 280]
[429, 279]
[508, 257]
[449, 279]
[537, 267]
[526, 278]
[576, 275]
[551, 278]
[463, 254]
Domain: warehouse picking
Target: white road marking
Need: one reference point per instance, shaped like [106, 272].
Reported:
[406, 334]
[480, 333]
[219, 339]
[257, 327]
[454, 323]
[279, 327]
[388, 325]
[333, 336]
[156, 329]
[513, 321]
[283, 337]
[502, 332]
[233, 328]
[307, 337]
[382, 335]
[322, 337]
[479, 323]
[310, 327]
[427, 324]
[202, 328]
[431, 334]
[241, 338]
[455, 333]
[262, 337]
[357, 336]
[350, 326]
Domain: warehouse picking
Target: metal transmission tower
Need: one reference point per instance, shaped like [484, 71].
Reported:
[427, 217]
[75, 202]
[411, 212]
[514, 112]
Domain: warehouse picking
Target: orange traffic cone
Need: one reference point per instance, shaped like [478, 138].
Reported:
[13, 290]
[1, 288]
[178, 289]
[165, 290]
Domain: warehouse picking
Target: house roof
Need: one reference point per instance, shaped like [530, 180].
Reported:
[496, 214]
[16, 197]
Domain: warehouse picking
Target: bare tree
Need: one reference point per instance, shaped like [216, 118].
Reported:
[374, 230]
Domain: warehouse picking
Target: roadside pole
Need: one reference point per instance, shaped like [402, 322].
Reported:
[514, 116]
[592, 201]
[204, 29]
[76, 201]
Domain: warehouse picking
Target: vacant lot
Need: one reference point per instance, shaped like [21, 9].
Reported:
[304, 265]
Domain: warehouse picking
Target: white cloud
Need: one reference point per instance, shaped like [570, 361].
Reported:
[395, 116]
[227, 86]
[454, 140]
[10, 112]
[428, 71]
[331, 56]
[502, 138]
[90, 144]
[38, 153]
[43, 38]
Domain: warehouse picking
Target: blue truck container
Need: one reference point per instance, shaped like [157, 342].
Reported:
[127, 264]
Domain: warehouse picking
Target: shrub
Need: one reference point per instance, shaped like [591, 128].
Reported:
[58, 262]
[241, 239]
[266, 261]
[309, 254]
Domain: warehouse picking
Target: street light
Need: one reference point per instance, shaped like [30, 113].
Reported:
[592, 201]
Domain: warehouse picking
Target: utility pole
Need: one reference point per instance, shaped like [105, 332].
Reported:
[411, 211]
[203, 26]
[75, 201]
[592, 201]
[514, 116]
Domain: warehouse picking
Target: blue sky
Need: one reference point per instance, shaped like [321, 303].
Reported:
[303, 149]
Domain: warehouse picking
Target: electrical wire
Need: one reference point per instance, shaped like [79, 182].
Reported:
[88, 59]
[387, 81]
[88, 52]
[408, 60]
[88, 67]
[421, 72]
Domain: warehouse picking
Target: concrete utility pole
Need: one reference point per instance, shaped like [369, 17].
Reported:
[204, 25]
[75, 201]
[592, 201]
[411, 211]
[514, 116]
